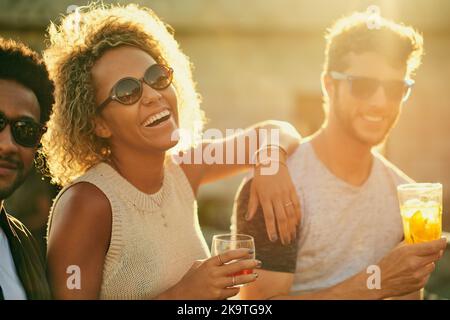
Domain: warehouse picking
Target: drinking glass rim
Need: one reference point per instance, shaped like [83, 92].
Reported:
[420, 186]
[218, 237]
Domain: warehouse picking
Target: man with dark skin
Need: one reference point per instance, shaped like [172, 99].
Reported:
[26, 97]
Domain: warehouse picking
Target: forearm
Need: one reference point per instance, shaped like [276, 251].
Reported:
[240, 147]
[354, 288]
[169, 294]
[288, 137]
[229, 156]
[416, 295]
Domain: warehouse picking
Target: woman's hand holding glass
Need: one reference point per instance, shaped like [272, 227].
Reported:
[212, 279]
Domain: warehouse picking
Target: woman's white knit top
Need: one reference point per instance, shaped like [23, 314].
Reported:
[155, 237]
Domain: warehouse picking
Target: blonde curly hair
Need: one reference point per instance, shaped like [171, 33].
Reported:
[70, 144]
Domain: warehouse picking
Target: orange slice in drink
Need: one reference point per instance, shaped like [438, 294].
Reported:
[418, 227]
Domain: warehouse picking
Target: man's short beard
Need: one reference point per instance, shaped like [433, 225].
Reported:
[20, 178]
[346, 124]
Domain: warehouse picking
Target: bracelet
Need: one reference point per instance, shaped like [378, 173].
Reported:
[268, 146]
[269, 161]
[271, 146]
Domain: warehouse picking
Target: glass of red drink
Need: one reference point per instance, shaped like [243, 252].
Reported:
[224, 242]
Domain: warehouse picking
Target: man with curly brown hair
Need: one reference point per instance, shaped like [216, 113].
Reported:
[26, 98]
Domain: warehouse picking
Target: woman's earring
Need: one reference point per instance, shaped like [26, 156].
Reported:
[105, 152]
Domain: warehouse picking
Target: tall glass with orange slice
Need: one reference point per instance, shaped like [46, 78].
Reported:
[421, 210]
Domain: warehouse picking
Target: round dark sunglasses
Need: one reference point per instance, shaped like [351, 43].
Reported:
[129, 90]
[25, 132]
[364, 87]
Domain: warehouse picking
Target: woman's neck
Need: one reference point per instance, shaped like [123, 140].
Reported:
[144, 171]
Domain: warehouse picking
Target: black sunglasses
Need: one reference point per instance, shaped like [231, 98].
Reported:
[129, 90]
[364, 87]
[25, 132]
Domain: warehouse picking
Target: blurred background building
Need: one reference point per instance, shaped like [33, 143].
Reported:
[261, 59]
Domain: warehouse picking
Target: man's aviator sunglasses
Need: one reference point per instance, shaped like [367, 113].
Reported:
[364, 87]
[129, 90]
[26, 132]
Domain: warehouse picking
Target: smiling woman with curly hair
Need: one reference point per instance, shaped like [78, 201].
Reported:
[70, 144]
[127, 216]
